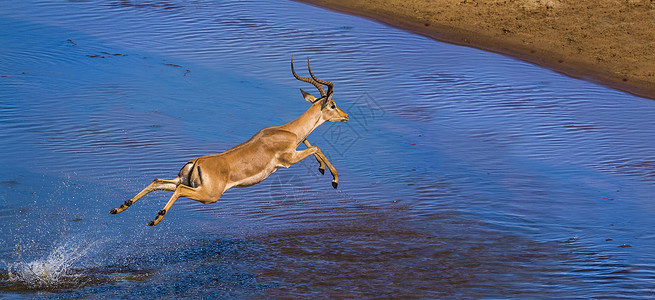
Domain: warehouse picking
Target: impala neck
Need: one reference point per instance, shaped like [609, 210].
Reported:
[306, 123]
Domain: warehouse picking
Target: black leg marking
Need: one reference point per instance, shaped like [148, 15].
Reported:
[128, 203]
[162, 212]
[195, 177]
[199, 176]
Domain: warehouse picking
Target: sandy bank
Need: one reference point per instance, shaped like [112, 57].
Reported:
[611, 42]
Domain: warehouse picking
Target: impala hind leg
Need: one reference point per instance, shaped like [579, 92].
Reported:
[156, 185]
[201, 194]
[324, 161]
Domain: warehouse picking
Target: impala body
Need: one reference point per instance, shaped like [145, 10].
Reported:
[206, 178]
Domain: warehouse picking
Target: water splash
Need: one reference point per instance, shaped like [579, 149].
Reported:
[61, 268]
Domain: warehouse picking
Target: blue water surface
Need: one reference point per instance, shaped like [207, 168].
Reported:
[463, 174]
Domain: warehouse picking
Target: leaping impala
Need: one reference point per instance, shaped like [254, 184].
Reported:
[206, 178]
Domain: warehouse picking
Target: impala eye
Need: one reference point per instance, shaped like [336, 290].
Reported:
[334, 106]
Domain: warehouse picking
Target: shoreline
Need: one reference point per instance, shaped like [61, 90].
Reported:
[634, 72]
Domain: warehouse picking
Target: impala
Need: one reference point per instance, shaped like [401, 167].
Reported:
[206, 178]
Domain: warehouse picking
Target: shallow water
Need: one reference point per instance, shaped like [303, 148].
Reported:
[462, 173]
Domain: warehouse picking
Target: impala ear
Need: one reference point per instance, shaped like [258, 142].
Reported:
[308, 96]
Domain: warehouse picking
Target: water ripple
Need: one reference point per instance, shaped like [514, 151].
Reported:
[463, 173]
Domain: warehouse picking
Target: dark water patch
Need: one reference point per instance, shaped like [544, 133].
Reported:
[157, 5]
[9, 183]
[376, 252]
[644, 169]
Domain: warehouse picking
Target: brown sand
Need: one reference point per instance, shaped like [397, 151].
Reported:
[611, 42]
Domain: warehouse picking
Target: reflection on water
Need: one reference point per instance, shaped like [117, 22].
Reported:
[462, 173]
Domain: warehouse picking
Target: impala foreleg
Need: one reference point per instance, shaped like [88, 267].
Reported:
[200, 194]
[333, 171]
[321, 164]
[324, 161]
[156, 185]
[297, 156]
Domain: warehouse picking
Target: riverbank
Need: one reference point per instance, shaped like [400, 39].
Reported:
[610, 42]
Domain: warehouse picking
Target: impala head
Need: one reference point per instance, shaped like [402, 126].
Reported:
[329, 110]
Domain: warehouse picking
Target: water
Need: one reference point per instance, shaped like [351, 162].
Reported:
[463, 174]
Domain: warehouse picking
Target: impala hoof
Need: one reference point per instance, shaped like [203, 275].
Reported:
[151, 223]
[322, 171]
[113, 211]
[334, 184]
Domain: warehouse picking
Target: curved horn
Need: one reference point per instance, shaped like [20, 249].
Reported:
[308, 80]
[329, 84]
